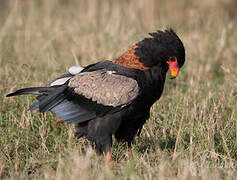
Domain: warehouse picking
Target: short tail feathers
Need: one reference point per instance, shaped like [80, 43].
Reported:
[32, 90]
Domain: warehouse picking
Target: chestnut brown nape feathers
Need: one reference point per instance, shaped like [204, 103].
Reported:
[130, 60]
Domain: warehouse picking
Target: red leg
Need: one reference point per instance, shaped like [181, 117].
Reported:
[108, 157]
[110, 162]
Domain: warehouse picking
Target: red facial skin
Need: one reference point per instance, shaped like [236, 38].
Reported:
[173, 66]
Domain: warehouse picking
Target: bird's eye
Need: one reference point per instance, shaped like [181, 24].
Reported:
[172, 58]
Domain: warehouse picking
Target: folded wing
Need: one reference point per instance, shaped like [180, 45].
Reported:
[85, 95]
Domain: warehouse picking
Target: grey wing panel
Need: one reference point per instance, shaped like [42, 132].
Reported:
[70, 112]
[105, 87]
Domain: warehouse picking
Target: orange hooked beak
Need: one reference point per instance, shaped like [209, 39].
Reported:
[173, 66]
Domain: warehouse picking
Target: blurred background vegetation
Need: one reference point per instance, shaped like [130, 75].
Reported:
[193, 127]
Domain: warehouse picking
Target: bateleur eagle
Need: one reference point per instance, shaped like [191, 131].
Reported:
[113, 97]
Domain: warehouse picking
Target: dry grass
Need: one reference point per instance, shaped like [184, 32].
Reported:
[192, 132]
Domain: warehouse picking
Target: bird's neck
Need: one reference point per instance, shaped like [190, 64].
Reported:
[156, 77]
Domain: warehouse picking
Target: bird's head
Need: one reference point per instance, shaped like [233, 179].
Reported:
[163, 49]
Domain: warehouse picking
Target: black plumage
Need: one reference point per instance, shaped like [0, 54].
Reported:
[96, 115]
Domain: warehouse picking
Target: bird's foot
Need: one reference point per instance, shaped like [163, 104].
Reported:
[110, 162]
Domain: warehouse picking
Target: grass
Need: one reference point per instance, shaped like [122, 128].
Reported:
[192, 132]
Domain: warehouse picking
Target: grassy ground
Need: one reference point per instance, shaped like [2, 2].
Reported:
[192, 132]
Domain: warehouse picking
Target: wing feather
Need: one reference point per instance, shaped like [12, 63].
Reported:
[105, 87]
[71, 112]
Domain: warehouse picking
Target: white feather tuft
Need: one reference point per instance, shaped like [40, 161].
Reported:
[75, 69]
[59, 81]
